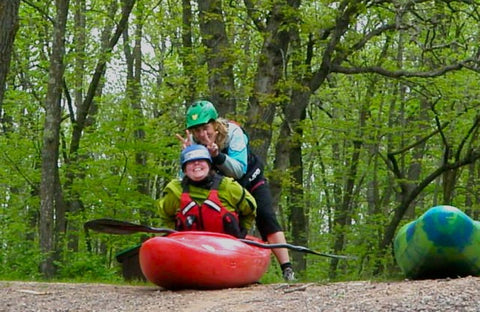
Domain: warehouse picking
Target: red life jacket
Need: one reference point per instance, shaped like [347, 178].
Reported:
[211, 216]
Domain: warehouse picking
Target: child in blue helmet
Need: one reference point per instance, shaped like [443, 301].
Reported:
[204, 200]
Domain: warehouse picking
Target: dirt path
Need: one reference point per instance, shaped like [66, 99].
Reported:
[429, 295]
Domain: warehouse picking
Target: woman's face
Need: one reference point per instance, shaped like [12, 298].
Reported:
[197, 170]
[204, 134]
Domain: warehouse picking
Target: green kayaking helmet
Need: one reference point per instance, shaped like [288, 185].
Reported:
[200, 112]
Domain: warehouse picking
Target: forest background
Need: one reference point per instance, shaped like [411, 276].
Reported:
[366, 113]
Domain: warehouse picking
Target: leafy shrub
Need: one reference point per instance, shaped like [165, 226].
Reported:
[82, 266]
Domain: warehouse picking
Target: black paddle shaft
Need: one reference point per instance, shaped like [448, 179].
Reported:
[111, 226]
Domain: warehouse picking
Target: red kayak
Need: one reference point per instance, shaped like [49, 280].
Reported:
[202, 260]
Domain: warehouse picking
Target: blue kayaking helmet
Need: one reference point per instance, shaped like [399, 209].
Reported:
[194, 152]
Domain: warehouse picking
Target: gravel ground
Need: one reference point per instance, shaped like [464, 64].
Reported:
[460, 294]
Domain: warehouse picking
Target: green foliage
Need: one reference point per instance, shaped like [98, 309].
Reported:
[82, 267]
[19, 258]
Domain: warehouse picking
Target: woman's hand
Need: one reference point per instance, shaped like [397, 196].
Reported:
[185, 141]
[212, 147]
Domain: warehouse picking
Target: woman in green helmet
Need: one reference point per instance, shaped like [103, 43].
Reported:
[227, 144]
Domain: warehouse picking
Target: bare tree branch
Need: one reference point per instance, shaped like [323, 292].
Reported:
[399, 73]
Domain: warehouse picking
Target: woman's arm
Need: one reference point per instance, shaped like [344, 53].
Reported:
[233, 163]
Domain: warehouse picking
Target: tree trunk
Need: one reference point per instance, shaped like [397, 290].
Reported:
[134, 95]
[84, 109]
[8, 29]
[186, 52]
[218, 55]
[472, 197]
[343, 212]
[296, 200]
[50, 183]
[73, 202]
[270, 69]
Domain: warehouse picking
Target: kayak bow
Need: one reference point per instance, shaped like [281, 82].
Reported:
[202, 260]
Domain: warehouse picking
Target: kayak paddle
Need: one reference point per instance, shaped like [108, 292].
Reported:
[112, 226]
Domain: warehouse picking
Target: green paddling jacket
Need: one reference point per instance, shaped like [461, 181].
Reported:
[232, 195]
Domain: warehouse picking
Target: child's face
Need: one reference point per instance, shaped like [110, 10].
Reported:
[197, 170]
